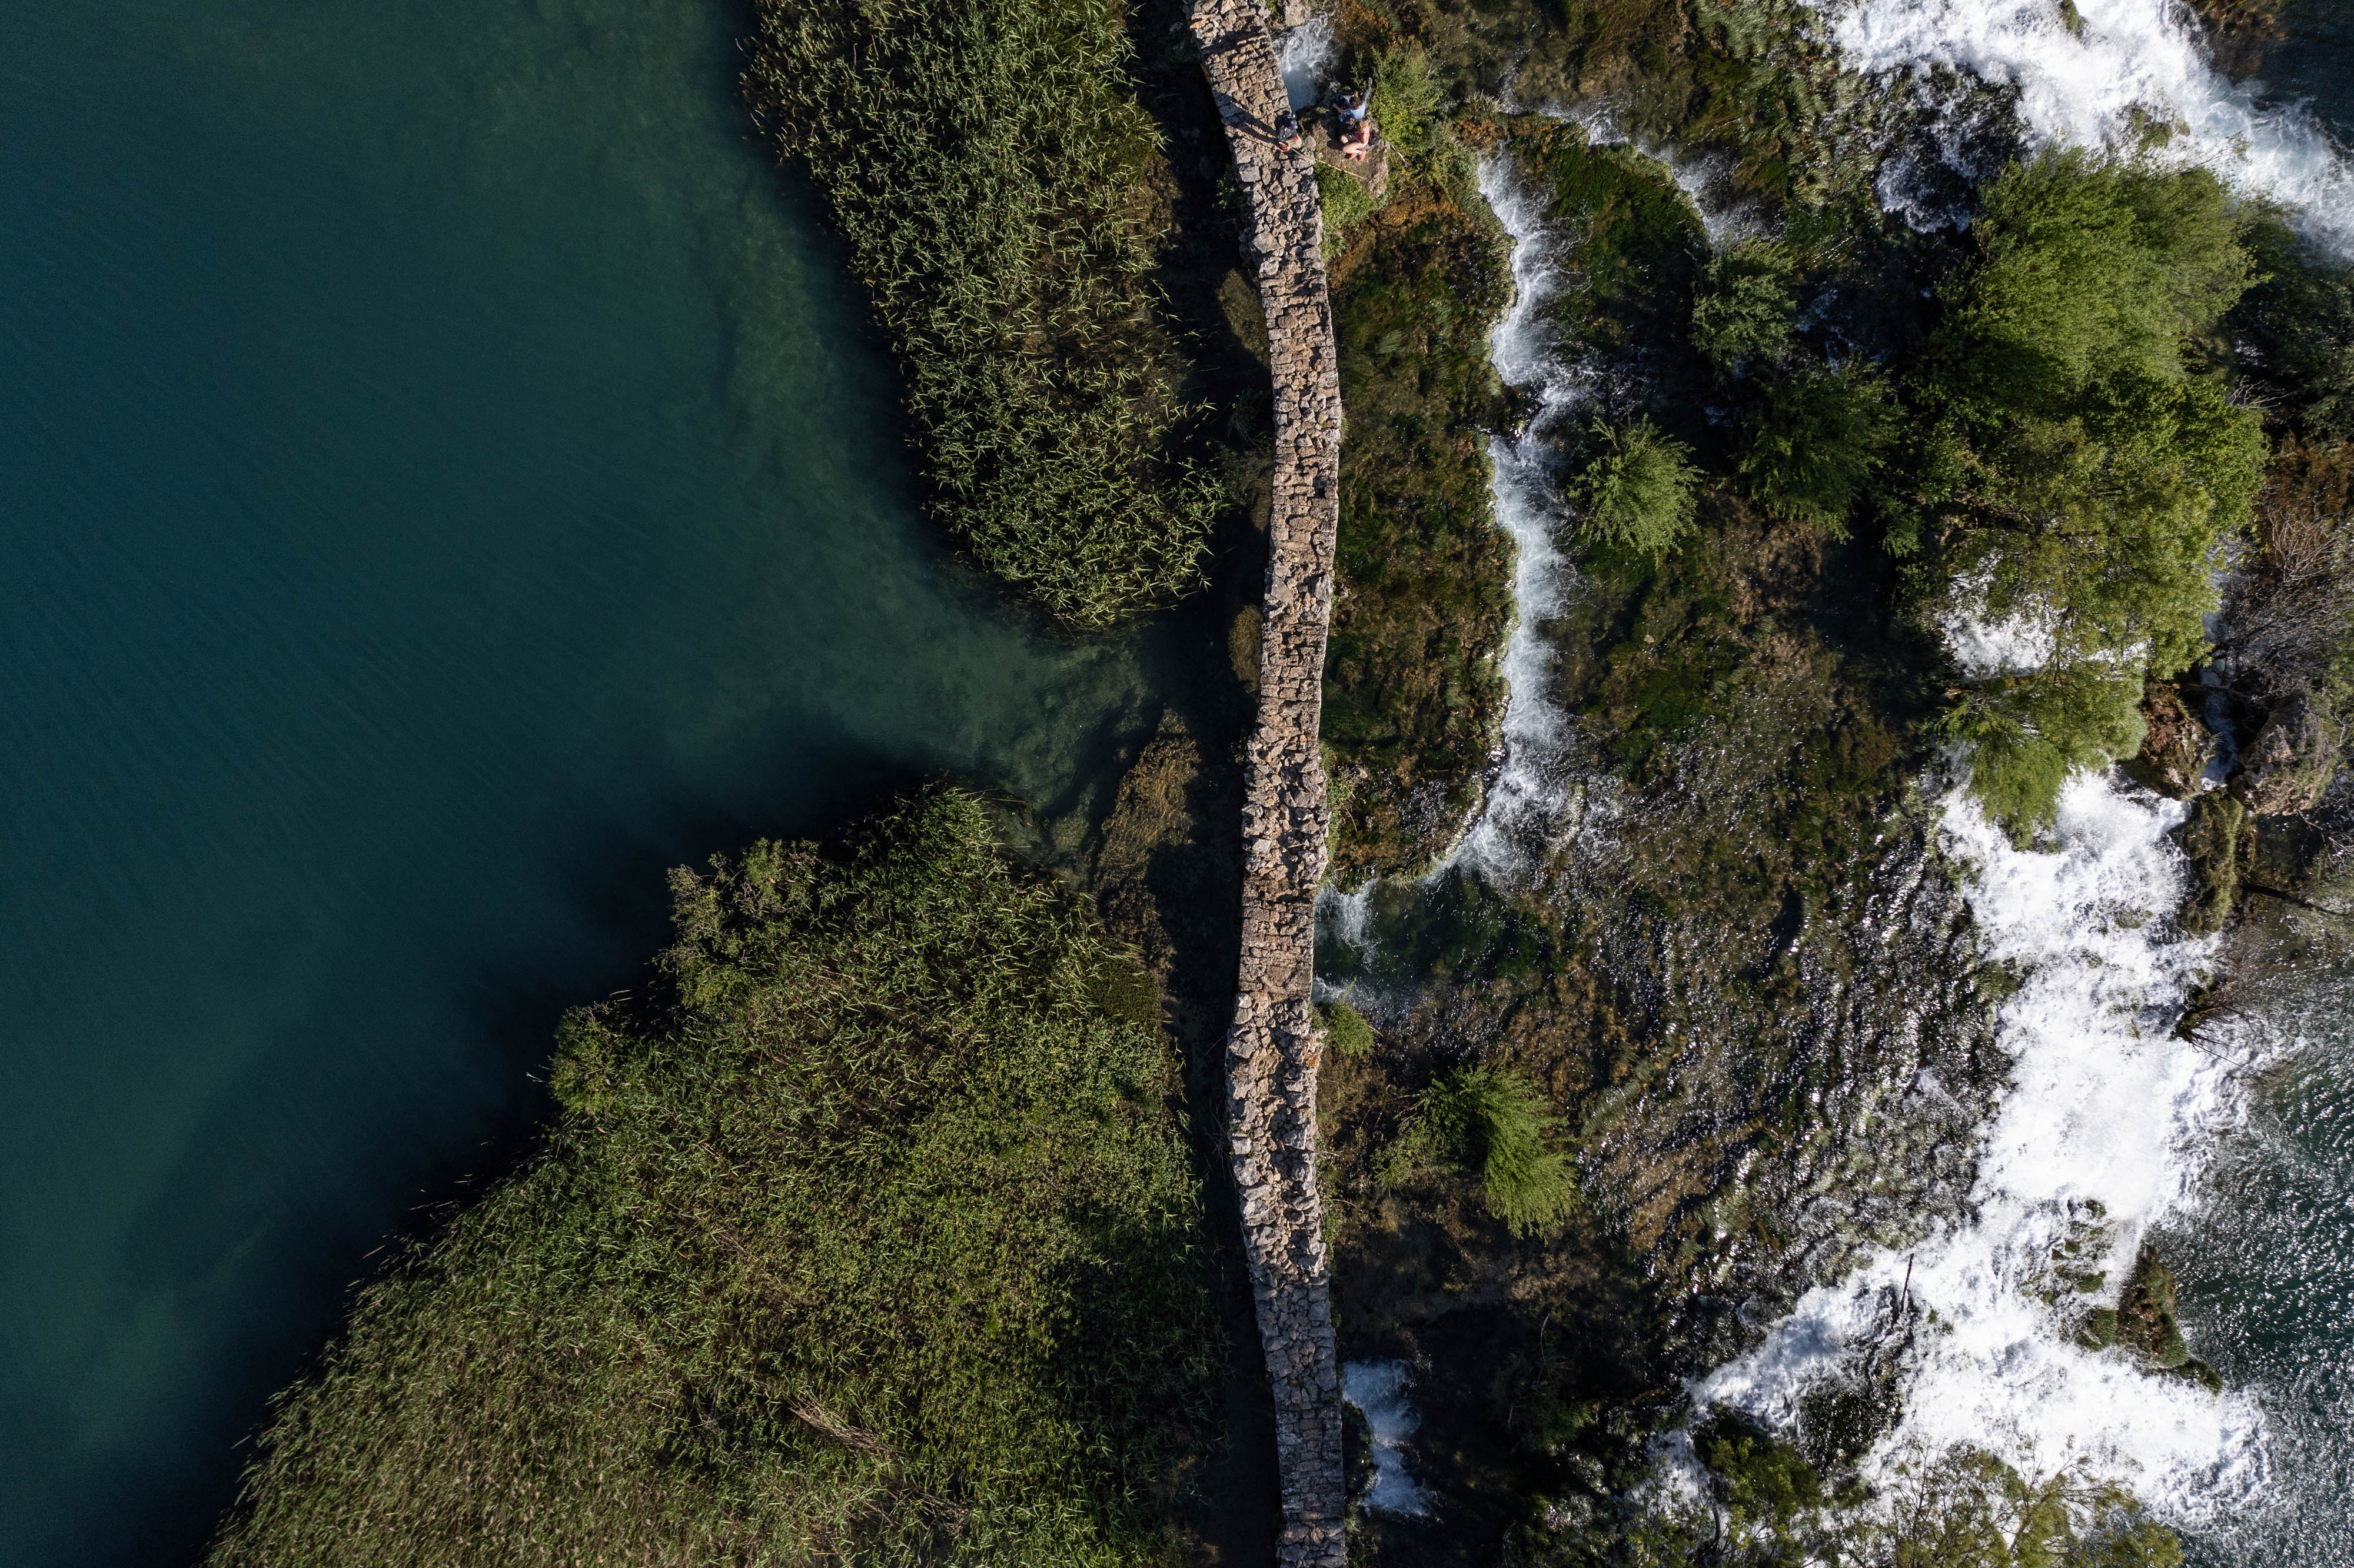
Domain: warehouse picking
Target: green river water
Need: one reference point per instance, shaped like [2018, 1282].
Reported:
[445, 478]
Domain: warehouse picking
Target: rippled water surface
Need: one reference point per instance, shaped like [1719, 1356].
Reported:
[2268, 1247]
[445, 482]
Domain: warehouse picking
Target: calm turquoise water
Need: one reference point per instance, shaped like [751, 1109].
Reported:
[442, 481]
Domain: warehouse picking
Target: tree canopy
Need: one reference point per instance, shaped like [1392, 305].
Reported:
[2077, 459]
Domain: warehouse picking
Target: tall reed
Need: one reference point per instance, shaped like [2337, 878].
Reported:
[987, 164]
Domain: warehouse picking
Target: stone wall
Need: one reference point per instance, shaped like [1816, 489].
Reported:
[1272, 1046]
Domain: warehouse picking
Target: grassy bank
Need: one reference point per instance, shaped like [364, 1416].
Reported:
[868, 1234]
[994, 174]
[1412, 696]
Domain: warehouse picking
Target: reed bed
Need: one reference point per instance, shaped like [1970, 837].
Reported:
[987, 164]
[874, 1238]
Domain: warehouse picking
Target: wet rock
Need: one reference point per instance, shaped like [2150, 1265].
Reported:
[2290, 764]
[2176, 747]
[2147, 1324]
[2290, 853]
[2213, 837]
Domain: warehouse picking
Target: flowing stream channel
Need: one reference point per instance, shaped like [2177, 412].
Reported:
[2234, 1151]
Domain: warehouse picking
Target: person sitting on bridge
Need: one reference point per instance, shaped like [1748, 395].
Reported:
[1286, 132]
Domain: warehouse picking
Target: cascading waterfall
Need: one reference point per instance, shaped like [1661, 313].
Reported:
[2104, 1129]
[1539, 795]
[2128, 74]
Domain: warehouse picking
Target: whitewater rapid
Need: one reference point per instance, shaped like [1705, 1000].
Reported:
[2132, 74]
[1539, 794]
[2105, 1128]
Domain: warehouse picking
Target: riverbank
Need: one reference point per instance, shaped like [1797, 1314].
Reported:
[1758, 1022]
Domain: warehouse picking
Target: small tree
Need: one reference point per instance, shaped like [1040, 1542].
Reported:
[1811, 443]
[1640, 491]
[1742, 313]
[2079, 465]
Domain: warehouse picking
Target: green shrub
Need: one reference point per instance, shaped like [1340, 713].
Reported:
[1742, 311]
[1494, 1122]
[1346, 1028]
[1640, 491]
[1346, 199]
[986, 164]
[1759, 1477]
[870, 1237]
[1811, 443]
[1405, 100]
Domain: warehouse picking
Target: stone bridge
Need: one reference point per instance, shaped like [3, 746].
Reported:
[1274, 1045]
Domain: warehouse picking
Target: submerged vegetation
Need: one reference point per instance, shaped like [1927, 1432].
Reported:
[867, 1235]
[990, 166]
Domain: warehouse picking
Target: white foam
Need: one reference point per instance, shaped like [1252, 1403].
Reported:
[1381, 1390]
[1537, 794]
[2131, 65]
[2106, 1107]
[2017, 644]
[1303, 54]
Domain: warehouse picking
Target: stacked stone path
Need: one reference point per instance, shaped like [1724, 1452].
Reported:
[1273, 1047]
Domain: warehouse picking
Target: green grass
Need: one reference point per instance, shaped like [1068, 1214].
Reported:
[1494, 1122]
[871, 1237]
[989, 165]
[1412, 693]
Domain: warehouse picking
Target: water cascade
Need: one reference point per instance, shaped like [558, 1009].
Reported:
[2125, 75]
[2102, 1131]
[1538, 795]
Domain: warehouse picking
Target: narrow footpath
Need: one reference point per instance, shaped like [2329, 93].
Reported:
[1274, 1047]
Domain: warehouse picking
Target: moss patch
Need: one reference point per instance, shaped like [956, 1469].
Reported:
[1412, 696]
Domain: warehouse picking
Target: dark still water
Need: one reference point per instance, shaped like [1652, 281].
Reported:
[442, 482]
[2266, 1245]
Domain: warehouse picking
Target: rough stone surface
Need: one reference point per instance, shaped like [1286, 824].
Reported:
[2290, 764]
[1273, 1047]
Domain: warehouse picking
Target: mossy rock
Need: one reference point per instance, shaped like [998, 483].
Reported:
[2290, 853]
[2146, 1323]
[2213, 837]
[2286, 769]
[2176, 747]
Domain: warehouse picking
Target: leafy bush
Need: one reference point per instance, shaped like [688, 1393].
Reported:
[1494, 1122]
[1346, 1028]
[1405, 100]
[1638, 492]
[872, 1238]
[1755, 1474]
[1742, 311]
[1811, 443]
[1345, 198]
[985, 162]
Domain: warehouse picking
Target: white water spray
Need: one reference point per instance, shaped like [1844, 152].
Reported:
[1539, 796]
[2108, 1114]
[1379, 1389]
[1304, 55]
[2134, 72]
